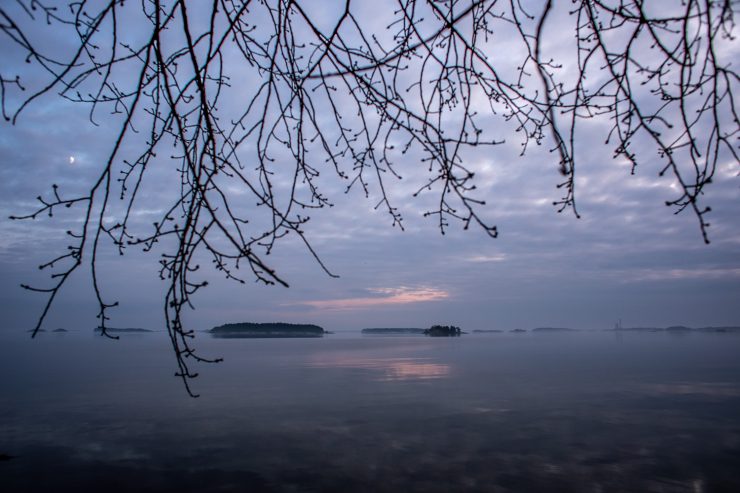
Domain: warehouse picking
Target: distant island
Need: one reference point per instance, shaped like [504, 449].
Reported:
[487, 331]
[115, 330]
[553, 329]
[676, 329]
[59, 330]
[393, 330]
[274, 329]
[718, 329]
[443, 331]
[518, 330]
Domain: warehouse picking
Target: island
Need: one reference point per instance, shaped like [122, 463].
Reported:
[122, 330]
[518, 331]
[263, 330]
[676, 329]
[637, 329]
[553, 329]
[487, 331]
[393, 331]
[718, 329]
[443, 331]
[59, 330]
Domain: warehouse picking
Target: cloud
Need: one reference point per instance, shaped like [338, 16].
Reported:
[382, 297]
[487, 258]
[682, 274]
[625, 255]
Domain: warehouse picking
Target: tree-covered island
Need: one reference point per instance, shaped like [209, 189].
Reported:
[274, 329]
[393, 331]
[443, 331]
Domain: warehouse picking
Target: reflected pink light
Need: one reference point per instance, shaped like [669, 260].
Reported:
[415, 371]
[390, 369]
[388, 296]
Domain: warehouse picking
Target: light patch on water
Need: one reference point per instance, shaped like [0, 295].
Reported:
[388, 369]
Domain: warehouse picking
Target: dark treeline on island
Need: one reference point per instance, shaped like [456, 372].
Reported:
[676, 329]
[274, 329]
[98, 330]
[433, 331]
[521, 331]
[443, 331]
[393, 330]
[123, 330]
[553, 329]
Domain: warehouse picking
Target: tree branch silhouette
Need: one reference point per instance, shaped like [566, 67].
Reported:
[244, 93]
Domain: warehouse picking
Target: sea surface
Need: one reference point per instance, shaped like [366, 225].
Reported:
[588, 411]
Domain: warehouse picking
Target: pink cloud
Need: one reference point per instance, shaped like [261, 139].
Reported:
[383, 296]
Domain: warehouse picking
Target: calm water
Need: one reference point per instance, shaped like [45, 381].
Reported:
[586, 411]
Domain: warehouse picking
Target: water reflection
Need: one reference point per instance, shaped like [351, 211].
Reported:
[386, 369]
[710, 389]
[575, 414]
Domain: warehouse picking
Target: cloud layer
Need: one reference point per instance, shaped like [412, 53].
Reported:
[627, 257]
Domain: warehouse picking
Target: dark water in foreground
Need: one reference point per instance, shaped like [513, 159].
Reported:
[575, 412]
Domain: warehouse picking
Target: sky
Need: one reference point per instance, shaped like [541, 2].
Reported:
[627, 257]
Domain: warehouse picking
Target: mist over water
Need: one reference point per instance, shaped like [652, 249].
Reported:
[581, 411]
